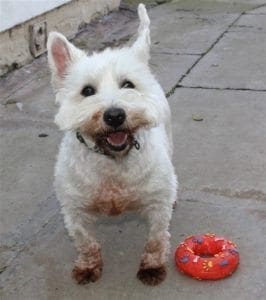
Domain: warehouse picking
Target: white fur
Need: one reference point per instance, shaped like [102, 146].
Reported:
[147, 174]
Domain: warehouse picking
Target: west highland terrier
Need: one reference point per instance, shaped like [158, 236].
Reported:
[116, 152]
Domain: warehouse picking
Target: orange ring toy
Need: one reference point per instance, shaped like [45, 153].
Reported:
[207, 256]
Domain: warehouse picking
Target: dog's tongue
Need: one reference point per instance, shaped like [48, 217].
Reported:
[117, 138]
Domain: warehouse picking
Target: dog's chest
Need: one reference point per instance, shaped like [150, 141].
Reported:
[112, 197]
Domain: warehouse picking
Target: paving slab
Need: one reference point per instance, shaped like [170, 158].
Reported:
[27, 158]
[187, 31]
[258, 11]
[42, 270]
[169, 68]
[225, 153]
[234, 63]
[250, 23]
[219, 5]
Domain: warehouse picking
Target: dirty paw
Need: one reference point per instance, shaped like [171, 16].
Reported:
[86, 275]
[152, 276]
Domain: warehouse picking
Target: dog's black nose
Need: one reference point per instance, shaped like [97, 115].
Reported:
[114, 116]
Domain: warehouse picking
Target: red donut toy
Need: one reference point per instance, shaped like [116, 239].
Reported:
[207, 256]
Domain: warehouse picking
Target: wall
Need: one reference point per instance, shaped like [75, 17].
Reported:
[14, 42]
[14, 12]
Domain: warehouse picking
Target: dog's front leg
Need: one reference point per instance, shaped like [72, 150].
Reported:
[152, 270]
[88, 266]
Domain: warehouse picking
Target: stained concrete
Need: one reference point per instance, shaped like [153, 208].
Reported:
[225, 139]
[187, 33]
[221, 160]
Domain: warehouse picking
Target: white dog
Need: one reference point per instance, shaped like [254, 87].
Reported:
[116, 152]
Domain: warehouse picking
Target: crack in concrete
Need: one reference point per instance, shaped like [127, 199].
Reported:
[259, 14]
[175, 53]
[219, 88]
[248, 194]
[259, 6]
[177, 85]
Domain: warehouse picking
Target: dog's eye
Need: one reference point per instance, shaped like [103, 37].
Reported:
[126, 84]
[88, 90]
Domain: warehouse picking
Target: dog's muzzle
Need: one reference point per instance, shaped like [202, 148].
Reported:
[116, 136]
[100, 150]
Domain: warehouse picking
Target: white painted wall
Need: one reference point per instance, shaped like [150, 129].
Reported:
[13, 12]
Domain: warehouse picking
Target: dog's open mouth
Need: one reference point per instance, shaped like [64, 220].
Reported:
[117, 141]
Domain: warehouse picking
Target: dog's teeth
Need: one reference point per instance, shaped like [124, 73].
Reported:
[117, 138]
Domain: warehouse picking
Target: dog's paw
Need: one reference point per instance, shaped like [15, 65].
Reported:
[86, 275]
[152, 276]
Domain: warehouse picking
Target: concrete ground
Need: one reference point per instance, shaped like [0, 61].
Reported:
[210, 58]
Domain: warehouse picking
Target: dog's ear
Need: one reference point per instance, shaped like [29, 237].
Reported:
[142, 45]
[61, 55]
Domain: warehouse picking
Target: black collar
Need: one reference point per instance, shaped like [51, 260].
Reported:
[96, 149]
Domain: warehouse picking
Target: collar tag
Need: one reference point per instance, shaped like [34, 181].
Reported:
[80, 138]
[136, 144]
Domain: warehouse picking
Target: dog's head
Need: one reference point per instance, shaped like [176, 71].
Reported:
[106, 96]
